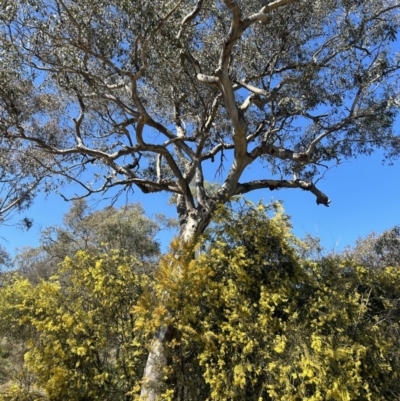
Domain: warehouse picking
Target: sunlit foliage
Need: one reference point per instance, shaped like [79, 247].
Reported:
[252, 321]
[124, 95]
[377, 251]
[82, 345]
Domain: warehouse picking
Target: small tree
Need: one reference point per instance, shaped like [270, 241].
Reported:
[377, 251]
[127, 229]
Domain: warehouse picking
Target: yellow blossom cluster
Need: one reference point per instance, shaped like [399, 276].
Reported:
[81, 342]
[253, 321]
[246, 318]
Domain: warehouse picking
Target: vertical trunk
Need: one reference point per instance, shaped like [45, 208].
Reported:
[152, 372]
[193, 223]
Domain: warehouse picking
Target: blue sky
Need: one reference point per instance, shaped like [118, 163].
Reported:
[365, 197]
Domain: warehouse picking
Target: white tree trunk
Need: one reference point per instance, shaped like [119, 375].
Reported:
[192, 226]
[152, 372]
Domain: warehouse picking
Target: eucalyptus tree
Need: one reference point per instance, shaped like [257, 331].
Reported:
[377, 251]
[145, 94]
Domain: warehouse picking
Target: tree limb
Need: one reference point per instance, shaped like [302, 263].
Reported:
[321, 198]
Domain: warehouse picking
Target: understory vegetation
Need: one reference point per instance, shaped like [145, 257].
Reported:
[258, 313]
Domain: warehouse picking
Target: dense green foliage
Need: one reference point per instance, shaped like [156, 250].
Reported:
[127, 229]
[253, 320]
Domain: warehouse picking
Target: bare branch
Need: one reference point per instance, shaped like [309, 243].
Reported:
[190, 17]
[322, 199]
[276, 4]
[263, 16]
[161, 150]
[280, 153]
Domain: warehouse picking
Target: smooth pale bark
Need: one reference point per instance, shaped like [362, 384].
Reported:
[154, 364]
[195, 224]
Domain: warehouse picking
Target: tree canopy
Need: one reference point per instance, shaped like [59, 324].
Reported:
[144, 94]
[377, 251]
[127, 229]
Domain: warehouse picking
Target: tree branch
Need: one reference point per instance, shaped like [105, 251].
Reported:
[189, 17]
[262, 16]
[280, 153]
[159, 149]
[321, 198]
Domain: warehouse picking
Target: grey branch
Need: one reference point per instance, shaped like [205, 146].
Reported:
[321, 198]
